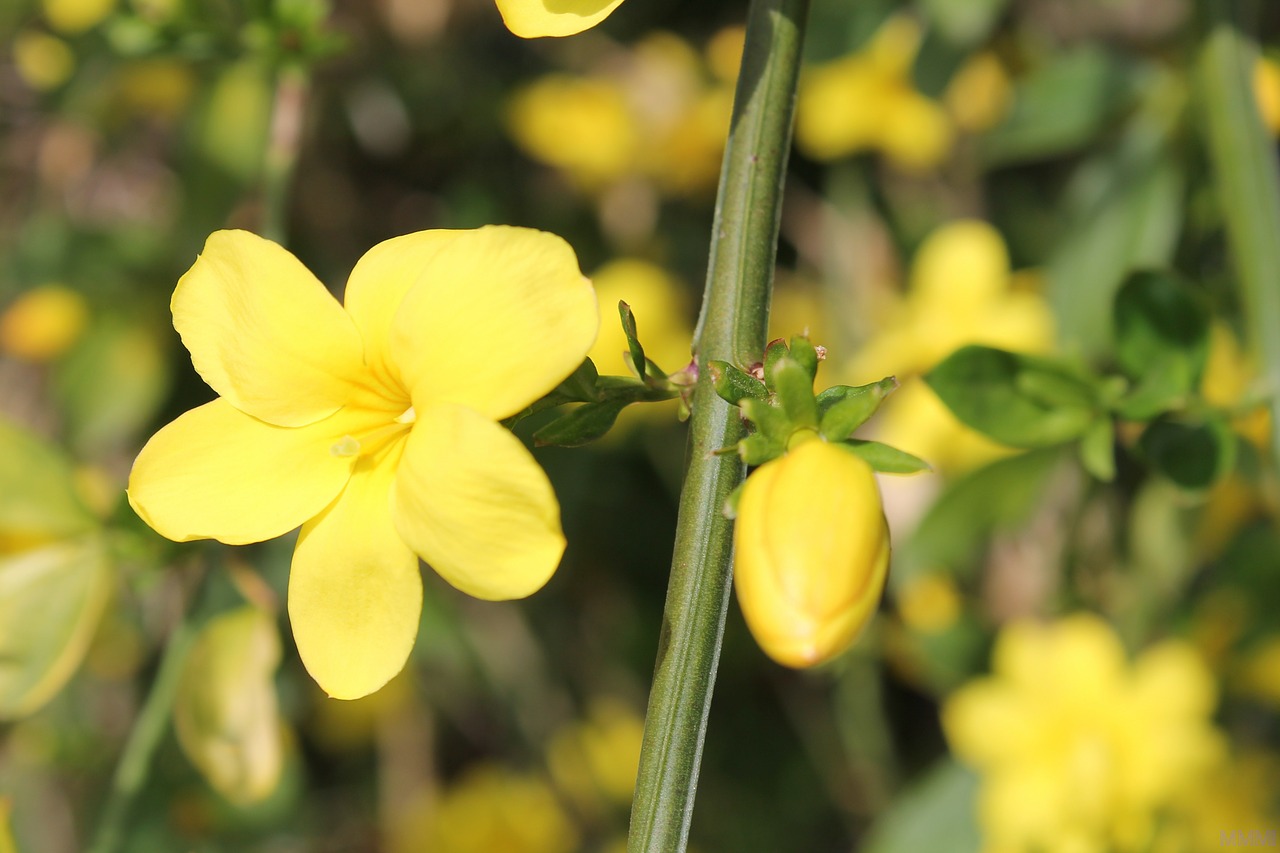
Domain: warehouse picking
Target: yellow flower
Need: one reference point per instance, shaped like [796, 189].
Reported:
[76, 16]
[43, 322]
[43, 61]
[1266, 90]
[373, 427]
[866, 101]
[961, 292]
[596, 758]
[929, 603]
[536, 18]
[979, 95]
[811, 552]
[1078, 749]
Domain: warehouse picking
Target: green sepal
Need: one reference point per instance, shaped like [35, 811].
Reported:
[758, 448]
[768, 419]
[636, 352]
[776, 349]
[733, 384]
[580, 426]
[1020, 400]
[844, 408]
[803, 351]
[794, 389]
[1097, 450]
[1194, 454]
[884, 458]
[730, 508]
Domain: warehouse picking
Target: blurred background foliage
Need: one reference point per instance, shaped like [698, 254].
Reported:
[976, 172]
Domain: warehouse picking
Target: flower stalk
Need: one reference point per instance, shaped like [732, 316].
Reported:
[731, 328]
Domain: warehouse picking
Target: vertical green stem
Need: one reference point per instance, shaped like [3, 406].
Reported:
[148, 730]
[281, 156]
[732, 328]
[1248, 180]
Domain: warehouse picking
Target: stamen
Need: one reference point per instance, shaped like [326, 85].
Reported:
[408, 417]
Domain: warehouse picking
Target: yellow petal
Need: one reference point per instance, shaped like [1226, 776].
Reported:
[264, 332]
[475, 505]
[216, 473]
[535, 18]
[498, 318]
[378, 285]
[355, 593]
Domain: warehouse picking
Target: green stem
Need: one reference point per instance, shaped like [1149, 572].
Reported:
[281, 156]
[1248, 179]
[144, 738]
[731, 328]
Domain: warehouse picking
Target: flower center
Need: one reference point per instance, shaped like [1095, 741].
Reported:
[373, 440]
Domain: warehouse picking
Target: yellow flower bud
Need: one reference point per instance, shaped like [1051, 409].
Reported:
[812, 551]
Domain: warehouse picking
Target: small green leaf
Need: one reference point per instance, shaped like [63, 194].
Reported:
[757, 449]
[730, 508]
[776, 349]
[843, 414]
[1097, 450]
[580, 386]
[1161, 389]
[580, 426]
[733, 384]
[38, 496]
[937, 813]
[633, 339]
[1162, 324]
[839, 393]
[1002, 395]
[803, 351]
[794, 388]
[885, 459]
[1194, 454]
[768, 419]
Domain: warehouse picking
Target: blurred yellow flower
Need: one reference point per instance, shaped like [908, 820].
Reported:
[76, 16]
[43, 323]
[660, 114]
[1266, 90]
[537, 18]
[866, 102]
[980, 94]
[596, 759]
[43, 61]
[1078, 749]
[961, 292]
[929, 603]
[225, 713]
[491, 809]
[811, 551]
[1230, 378]
[374, 427]
[7, 844]
[661, 307]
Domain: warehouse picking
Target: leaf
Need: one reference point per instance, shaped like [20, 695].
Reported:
[38, 499]
[1161, 330]
[804, 352]
[225, 711]
[1020, 400]
[844, 408]
[793, 386]
[885, 459]
[634, 349]
[51, 599]
[937, 813]
[1194, 454]
[580, 426]
[733, 384]
[966, 23]
[1097, 450]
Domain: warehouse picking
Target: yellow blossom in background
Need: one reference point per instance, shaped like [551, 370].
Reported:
[537, 18]
[43, 61]
[1077, 748]
[489, 809]
[43, 323]
[1230, 378]
[661, 307]
[961, 292]
[374, 426]
[811, 552]
[1266, 90]
[159, 88]
[867, 102]
[980, 94]
[929, 603]
[660, 114]
[76, 16]
[595, 760]
[7, 844]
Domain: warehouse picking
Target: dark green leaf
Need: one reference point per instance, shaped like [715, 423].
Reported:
[1006, 396]
[937, 813]
[633, 339]
[580, 426]
[1193, 454]
[1161, 329]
